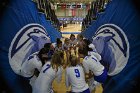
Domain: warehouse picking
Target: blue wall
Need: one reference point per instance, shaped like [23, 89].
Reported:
[116, 35]
[18, 14]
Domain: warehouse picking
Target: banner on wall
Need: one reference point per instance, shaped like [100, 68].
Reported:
[22, 33]
[73, 12]
[115, 34]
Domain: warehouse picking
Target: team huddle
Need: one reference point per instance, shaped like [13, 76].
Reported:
[48, 64]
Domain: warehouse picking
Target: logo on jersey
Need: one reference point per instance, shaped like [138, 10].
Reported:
[112, 43]
[30, 39]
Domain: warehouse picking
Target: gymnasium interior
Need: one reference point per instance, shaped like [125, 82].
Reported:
[113, 26]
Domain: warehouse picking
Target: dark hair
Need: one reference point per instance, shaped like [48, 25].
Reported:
[42, 51]
[83, 50]
[72, 35]
[66, 39]
[87, 42]
[58, 41]
[47, 47]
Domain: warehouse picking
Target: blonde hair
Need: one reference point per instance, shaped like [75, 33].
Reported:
[73, 60]
[57, 59]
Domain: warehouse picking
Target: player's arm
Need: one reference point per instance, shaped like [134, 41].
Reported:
[101, 77]
[26, 65]
[59, 77]
[37, 66]
[86, 70]
[100, 73]
[67, 79]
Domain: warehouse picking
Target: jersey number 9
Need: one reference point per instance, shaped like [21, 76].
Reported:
[77, 73]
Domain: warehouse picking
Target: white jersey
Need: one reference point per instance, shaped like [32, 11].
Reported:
[95, 54]
[30, 65]
[93, 47]
[66, 47]
[76, 78]
[93, 64]
[43, 83]
[74, 42]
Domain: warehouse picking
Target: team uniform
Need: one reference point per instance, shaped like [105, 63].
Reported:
[74, 42]
[43, 83]
[91, 63]
[94, 52]
[66, 46]
[76, 78]
[59, 48]
[29, 66]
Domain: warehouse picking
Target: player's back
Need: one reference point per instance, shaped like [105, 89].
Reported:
[30, 64]
[43, 83]
[76, 78]
[93, 64]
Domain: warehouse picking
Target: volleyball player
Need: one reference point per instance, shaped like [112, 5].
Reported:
[51, 70]
[75, 77]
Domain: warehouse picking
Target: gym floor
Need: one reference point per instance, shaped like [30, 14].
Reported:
[61, 88]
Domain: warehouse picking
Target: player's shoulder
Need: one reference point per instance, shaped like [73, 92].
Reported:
[47, 66]
[32, 56]
[78, 66]
[90, 60]
[67, 68]
[70, 68]
[87, 58]
[48, 63]
[94, 58]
